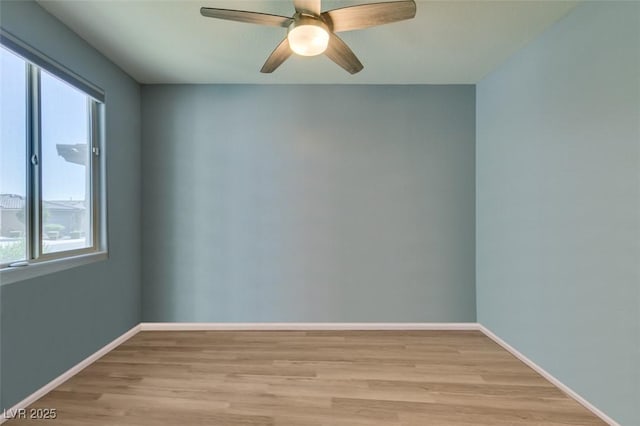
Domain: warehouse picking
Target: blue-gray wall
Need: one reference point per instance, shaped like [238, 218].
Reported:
[308, 203]
[558, 192]
[49, 324]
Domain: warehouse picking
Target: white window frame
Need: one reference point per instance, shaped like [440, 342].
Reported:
[37, 262]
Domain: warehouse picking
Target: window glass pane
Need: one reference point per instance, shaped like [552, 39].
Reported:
[65, 165]
[13, 151]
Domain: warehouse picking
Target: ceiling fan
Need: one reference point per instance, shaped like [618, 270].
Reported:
[311, 32]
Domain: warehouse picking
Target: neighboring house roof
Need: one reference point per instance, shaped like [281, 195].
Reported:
[16, 202]
[11, 201]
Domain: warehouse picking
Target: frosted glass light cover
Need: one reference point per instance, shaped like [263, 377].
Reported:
[308, 40]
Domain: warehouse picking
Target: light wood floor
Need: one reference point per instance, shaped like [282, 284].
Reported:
[315, 378]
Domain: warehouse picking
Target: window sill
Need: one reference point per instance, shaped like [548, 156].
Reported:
[20, 273]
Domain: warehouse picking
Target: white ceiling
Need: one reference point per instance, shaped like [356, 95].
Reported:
[167, 41]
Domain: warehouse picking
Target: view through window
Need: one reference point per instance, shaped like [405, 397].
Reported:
[13, 157]
[66, 158]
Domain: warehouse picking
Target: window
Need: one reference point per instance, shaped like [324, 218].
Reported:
[50, 187]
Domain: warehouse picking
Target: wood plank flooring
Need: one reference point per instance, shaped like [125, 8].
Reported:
[310, 378]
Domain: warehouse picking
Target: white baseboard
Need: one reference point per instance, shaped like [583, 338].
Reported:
[192, 326]
[302, 326]
[564, 388]
[69, 373]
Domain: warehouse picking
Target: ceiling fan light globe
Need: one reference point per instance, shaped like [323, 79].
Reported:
[308, 40]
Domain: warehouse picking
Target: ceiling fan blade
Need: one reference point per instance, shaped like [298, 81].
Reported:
[246, 16]
[309, 6]
[369, 15]
[339, 52]
[280, 54]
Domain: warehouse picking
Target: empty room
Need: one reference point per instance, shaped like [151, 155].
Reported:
[319, 213]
